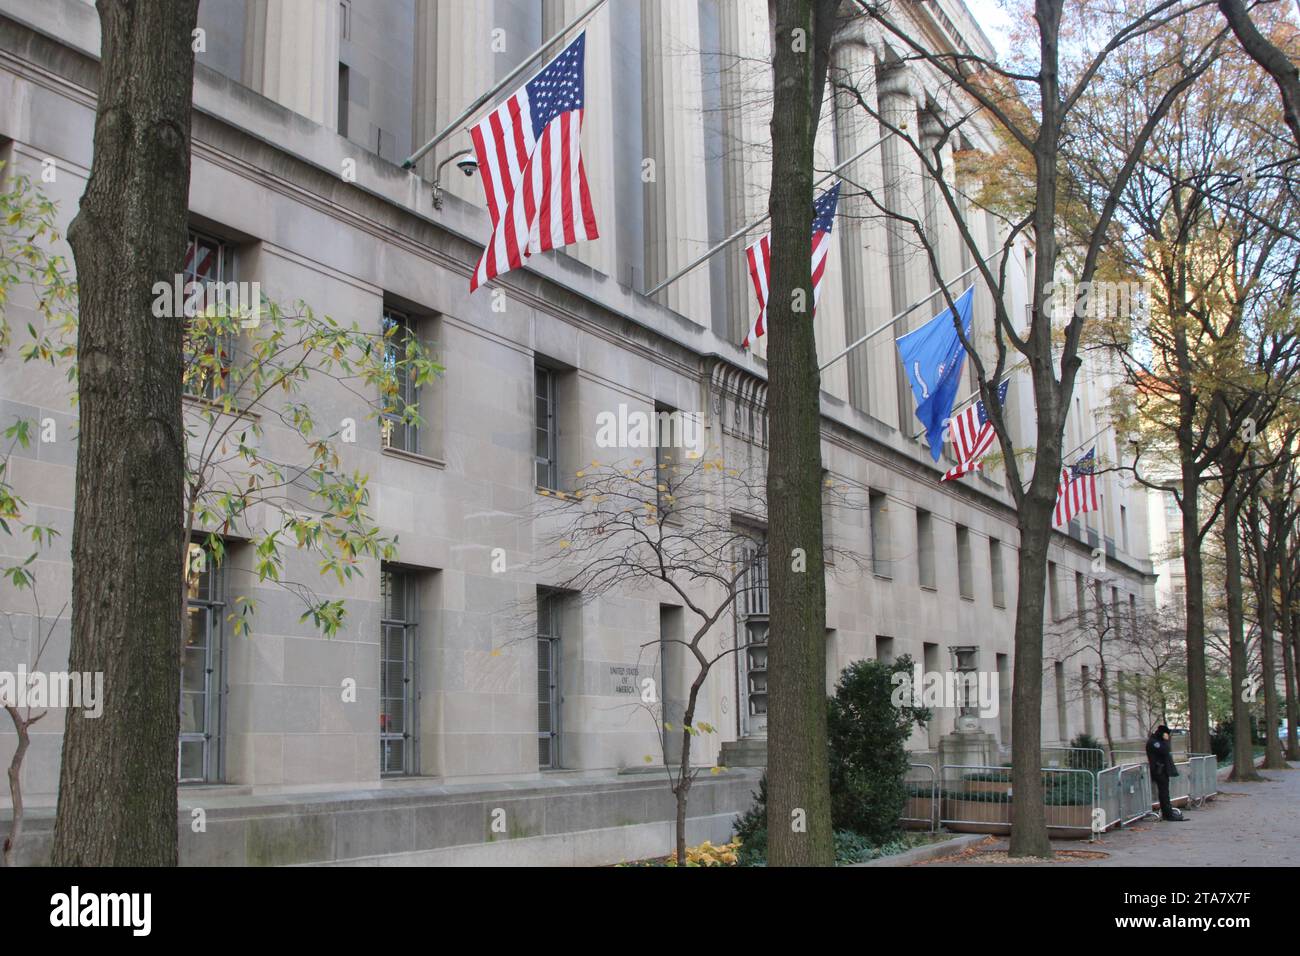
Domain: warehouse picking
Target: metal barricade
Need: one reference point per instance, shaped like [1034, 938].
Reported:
[1135, 792]
[1204, 773]
[1073, 758]
[978, 799]
[1180, 787]
[1109, 808]
[922, 807]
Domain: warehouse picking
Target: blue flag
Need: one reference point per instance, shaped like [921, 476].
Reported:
[933, 357]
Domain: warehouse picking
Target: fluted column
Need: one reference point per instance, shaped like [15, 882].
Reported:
[676, 212]
[454, 64]
[597, 125]
[862, 240]
[746, 97]
[899, 95]
[291, 55]
[829, 317]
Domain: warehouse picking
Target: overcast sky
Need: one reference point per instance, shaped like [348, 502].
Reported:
[993, 20]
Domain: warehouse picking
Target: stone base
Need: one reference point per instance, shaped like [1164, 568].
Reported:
[745, 752]
[977, 749]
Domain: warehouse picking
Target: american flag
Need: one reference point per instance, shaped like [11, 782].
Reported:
[1077, 491]
[760, 259]
[972, 436]
[530, 160]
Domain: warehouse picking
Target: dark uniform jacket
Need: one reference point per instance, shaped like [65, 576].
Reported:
[1160, 755]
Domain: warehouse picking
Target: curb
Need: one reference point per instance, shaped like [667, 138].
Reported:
[922, 853]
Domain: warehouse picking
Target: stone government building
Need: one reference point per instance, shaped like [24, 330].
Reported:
[456, 716]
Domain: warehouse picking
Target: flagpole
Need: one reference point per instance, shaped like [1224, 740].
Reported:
[510, 78]
[911, 308]
[748, 227]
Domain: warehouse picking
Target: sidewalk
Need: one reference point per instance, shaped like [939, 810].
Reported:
[1247, 824]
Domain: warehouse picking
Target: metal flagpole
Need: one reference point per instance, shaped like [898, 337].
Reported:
[479, 103]
[693, 264]
[911, 308]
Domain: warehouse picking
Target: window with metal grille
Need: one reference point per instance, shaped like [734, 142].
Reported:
[548, 680]
[399, 334]
[208, 354]
[397, 632]
[544, 427]
[996, 573]
[881, 565]
[202, 679]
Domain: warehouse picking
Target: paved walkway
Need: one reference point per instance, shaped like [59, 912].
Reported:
[1247, 824]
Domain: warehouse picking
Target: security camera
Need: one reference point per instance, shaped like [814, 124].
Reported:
[464, 161]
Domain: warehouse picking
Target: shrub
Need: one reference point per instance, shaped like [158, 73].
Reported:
[868, 733]
[867, 736]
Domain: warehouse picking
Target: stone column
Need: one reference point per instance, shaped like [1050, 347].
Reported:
[864, 262]
[291, 55]
[899, 95]
[746, 97]
[597, 125]
[676, 214]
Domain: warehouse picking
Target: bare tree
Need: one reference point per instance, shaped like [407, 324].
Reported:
[1066, 206]
[23, 717]
[671, 526]
[1273, 57]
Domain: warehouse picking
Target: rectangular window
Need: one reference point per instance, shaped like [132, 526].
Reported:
[548, 679]
[399, 336]
[965, 579]
[1123, 527]
[1062, 723]
[669, 450]
[343, 100]
[397, 643]
[880, 560]
[996, 572]
[545, 429]
[208, 353]
[1085, 692]
[925, 548]
[884, 649]
[1133, 615]
[202, 677]
[828, 516]
[1053, 591]
[1080, 597]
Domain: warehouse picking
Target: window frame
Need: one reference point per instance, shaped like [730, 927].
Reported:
[211, 603]
[549, 461]
[408, 622]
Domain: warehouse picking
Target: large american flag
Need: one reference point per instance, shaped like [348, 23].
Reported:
[530, 160]
[1077, 491]
[972, 436]
[760, 259]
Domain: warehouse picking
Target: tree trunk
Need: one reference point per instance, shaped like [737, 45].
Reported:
[1288, 666]
[1198, 700]
[1243, 758]
[1273, 758]
[798, 814]
[683, 790]
[117, 786]
[21, 728]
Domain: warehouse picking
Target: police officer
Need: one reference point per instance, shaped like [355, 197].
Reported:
[1160, 755]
